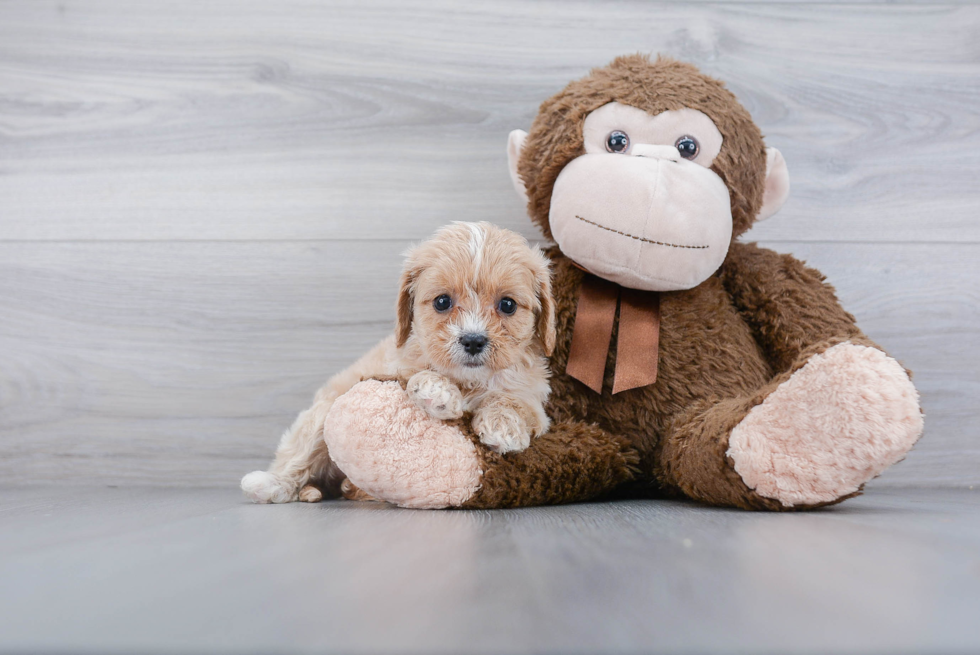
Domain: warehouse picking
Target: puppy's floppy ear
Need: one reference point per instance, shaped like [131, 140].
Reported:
[546, 316]
[406, 299]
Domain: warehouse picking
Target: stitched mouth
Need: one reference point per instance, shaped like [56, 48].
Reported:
[633, 236]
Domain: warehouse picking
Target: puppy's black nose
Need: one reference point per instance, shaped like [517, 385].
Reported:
[473, 343]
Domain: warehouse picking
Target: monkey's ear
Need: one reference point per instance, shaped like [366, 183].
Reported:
[777, 184]
[404, 312]
[515, 143]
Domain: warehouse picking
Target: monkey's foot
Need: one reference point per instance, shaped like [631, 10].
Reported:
[842, 419]
[391, 449]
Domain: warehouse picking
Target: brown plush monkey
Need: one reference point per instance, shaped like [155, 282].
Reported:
[686, 363]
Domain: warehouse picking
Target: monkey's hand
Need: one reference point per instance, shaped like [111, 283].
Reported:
[435, 395]
[502, 424]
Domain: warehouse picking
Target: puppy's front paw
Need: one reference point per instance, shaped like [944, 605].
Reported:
[502, 429]
[436, 395]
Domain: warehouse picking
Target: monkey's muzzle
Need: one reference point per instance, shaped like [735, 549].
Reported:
[644, 221]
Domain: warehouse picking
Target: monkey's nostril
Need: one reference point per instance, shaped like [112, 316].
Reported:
[473, 344]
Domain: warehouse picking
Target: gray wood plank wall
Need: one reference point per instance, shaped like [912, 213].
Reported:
[202, 205]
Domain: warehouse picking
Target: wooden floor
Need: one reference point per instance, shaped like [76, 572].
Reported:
[101, 570]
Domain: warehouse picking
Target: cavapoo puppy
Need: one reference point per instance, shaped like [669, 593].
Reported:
[474, 303]
[475, 324]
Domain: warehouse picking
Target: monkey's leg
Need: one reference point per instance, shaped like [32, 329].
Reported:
[392, 450]
[811, 437]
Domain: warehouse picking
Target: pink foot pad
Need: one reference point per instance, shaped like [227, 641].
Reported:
[394, 451]
[846, 416]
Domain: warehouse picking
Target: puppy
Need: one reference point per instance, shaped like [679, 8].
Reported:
[475, 323]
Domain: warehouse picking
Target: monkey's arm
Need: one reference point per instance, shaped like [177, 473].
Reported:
[394, 451]
[572, 462]
[790, 306]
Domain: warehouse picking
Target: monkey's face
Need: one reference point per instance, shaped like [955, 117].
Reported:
[644, 171]
[641, 207]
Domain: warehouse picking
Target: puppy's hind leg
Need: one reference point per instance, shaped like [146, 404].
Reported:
[302, 468]
[351, 491]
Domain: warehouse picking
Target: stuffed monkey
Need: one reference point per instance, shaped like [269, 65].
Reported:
[687, 363]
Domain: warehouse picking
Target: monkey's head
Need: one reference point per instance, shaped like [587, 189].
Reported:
[644, 172]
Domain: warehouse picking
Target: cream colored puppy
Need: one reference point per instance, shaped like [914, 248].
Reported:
[475, 324]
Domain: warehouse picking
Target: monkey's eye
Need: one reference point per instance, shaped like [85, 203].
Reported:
[617, 142]
[507, 306]
[688, 147]
[443, 303]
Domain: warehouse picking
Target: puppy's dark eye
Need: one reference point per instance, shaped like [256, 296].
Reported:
[507, 306]
[688, 147]
[443, 303]
[617, 142]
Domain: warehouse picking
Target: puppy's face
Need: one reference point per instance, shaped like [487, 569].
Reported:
[475, 298]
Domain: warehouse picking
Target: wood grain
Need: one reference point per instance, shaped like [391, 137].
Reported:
[181, 363]
[290, 120]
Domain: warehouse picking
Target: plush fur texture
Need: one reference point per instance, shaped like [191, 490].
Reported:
[645, 218]
[398, 452]
[735, 351]
[427, 463]
[843, 418]
[571, 463]
[555, 137]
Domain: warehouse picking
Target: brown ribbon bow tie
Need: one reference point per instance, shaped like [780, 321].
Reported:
[637, 344]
